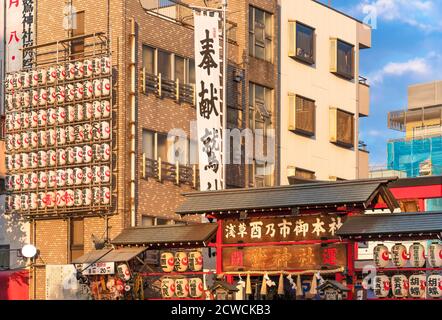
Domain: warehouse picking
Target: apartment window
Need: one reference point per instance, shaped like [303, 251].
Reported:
[4, 257]
[260, 34]
[302, 115]
[164, 64]
[77, 48]
[342, 126]
[149, 59]
[157, 145]
[77, 238]
[170, 65]
[302, 40]
[234, 118]
[342, 54]
[260, 107]
[148, 221]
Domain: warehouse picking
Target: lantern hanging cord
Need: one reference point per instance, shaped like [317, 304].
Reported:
[270, 273]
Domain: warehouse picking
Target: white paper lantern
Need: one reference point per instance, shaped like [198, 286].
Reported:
[434, 284]
[61, 94]
[17, 161]
[79, 91]
[52, 75]
[17, 182]
[195, 261]
[400, 286]
[435, 255]
[42, 179]
[52, 137]
[60, 198]
[181, 261]
[78, 151]
[43, 98]
[105, 195]
[61, 72]
[96, 195]
[105, 174]
[61, 136]
[26, 141]
[167, 261]
[78, 197]
[34, 78]
[96, 171]
[33, 201]
[52, 116]
[61, 178]
[71, 71]
[70, 177]
[16, 203]
[88, 132]
[167, 288]
[42, 159]
[18, 141]
[42, 117]
[399, 255]
[18, 80]
[417, 255]
[88, 89]
[33, 182]
[50, 199]
[26, 182]
[42, 76]
[97, 110]
[70, 155]
[9, 162]
[25, 160]
[87, 154]
[52, 157]
[17, 120]
[9, 84]
[182, 288]
[24, 202]
[70, 92]
[87, 197]
[105, 130]
[35, 98]
[52, 178]
[381, 286]
[98, 87]
[196, 287]
[26, 98]
[106, 87]
[41, 199]
[79, 70]
[105, 65]
[418, 285]
[88, 68]
[25, 122]
[70, 194]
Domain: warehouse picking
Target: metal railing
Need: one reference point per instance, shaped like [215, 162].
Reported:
[165, 171]
[363, 80]
[166, 88]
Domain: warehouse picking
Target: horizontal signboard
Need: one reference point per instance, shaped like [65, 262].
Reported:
[296, 228]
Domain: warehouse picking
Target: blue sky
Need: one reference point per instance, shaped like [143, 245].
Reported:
[406, 49]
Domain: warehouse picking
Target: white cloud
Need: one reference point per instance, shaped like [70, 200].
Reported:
[416, 66]
[423, 14]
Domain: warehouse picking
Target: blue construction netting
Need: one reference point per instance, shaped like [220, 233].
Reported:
[408, 155]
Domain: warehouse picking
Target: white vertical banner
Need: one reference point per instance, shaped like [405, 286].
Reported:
[2, 52]
[208, 99]
[14, 35]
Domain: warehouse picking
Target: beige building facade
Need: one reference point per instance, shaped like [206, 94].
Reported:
[322, 93]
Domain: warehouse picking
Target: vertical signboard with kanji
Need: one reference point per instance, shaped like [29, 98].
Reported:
[208, 96]
[19, 33]
[2, 51]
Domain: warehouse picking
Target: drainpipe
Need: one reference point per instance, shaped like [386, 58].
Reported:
[132, 43]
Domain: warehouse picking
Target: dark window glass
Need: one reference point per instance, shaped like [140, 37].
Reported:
[78, 45]
[4, 257]
[345, 128]
[345, 59]
[191, 71]
[305, 115]
[164, 64]
[149, 59]
[260, 34]
[180, 69]
[77, 238]
[305, 43]
[148, 143]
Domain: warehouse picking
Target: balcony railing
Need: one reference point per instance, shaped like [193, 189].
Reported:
[165, 171]
[165, 88]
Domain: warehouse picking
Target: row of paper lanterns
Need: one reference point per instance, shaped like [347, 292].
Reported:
[59, 157]
[58, 178]
[58, 116]
[58, 95]
[181, 261]
[182, 288]
[416, 286]
[60, 199]
[59, 73]
[416, 255]
[97, 131]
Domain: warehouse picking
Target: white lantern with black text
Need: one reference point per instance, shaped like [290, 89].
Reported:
[399, 255]
[435, 255]
[399, 285]
[418, 285]
[167, 288]
[417, 255]
[434, 286]
[167, 261]
[381, 256]
[182, 288]
[381, 286]
[196, 288]
[181, 261]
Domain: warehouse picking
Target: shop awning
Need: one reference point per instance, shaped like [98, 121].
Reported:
[392, 226]
[109, 255]
[357, 193]
[175, 235]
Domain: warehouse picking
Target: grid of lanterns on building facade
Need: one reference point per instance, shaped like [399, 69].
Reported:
[177, 286]
[58, 137]
[424, 282]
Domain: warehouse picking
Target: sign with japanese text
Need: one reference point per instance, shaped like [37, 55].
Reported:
[98, 268]
[208, 96]
[296, 228]
[2, 52]
[275, 258]
[19, 33]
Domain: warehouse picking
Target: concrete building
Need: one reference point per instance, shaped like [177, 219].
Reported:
[153, 74]
[322, 93]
